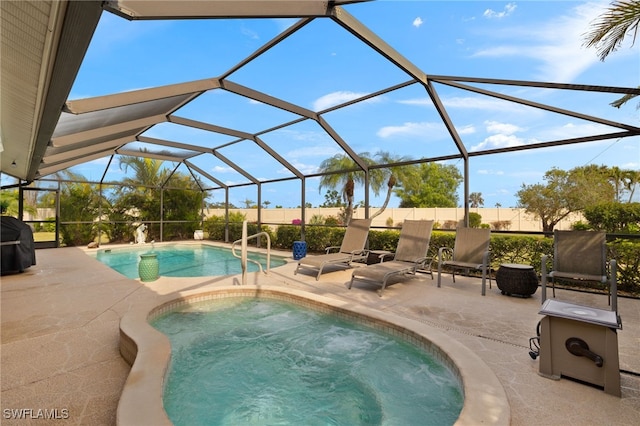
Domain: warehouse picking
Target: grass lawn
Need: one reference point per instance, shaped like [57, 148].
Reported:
[44, 236]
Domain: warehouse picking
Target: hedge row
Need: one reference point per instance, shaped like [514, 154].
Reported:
[504, 248]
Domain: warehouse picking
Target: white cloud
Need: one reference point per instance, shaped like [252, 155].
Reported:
[498, 141]
[490, 172]
[556, 44]
[220, 169]
[409, 129]
[302, 167]
[337, 98]
[508, 10]
[469, 129]
[418, 102]
[574, 130]
[417, 22]
[503, 128]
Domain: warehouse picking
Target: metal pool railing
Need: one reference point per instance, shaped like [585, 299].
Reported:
[243, 251]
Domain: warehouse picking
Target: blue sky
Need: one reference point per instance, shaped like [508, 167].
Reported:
[322, 65]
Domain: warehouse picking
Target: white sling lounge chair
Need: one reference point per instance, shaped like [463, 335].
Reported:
[351, 250]
[410, 255]
[470, 251]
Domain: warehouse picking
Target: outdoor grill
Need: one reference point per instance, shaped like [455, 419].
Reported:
[580, 342]
[17, 247]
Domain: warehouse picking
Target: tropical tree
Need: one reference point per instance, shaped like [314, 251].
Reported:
[9, 202]
[476, 200]
[393, 175]
[430, 185]
[617, 178]
[249, 204]
[379, 178]
[147, 171]
[80, 203]
[332, 178]
[632, 179]
[622, 18]
[332, 198]
[565, 192]
[140, 199]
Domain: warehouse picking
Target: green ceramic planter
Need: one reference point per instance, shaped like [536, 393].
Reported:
[148, 268]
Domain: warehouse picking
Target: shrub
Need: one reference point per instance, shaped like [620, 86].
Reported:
[286, 235]
[332, 221]
[614, 217]
[316, 219]
[580, 226]
[501, 225]
[215, 226]
[475, 220]
[627, 255]
[384, 240]
[450, 224]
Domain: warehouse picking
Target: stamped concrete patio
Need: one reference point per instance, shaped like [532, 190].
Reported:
[60, 337]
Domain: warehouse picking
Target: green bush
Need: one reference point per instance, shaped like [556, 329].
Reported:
[384, 240]
[523, 249]
[285, 236]
[614, 217]
[215, 226]
[475, 220]
[318, 238]
[627, 255]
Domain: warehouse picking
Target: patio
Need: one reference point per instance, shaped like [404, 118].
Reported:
[60, 337]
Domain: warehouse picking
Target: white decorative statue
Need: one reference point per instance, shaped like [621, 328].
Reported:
[140, 236]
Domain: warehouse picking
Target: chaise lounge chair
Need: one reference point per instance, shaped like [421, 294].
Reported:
[578, 256]
[410, 255]
[470, 251]
[351, 250]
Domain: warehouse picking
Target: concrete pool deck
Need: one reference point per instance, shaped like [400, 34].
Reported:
[60, 338]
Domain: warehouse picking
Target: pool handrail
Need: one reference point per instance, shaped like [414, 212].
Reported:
[243, 249]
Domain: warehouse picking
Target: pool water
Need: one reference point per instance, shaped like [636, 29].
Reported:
[183, 260]
[252, 361]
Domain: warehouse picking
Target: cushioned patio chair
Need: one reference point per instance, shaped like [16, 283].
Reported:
[352, 249]
[410, 255]
[470, 251]
[578, 256]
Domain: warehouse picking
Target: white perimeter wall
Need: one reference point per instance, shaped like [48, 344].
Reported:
[520, 220]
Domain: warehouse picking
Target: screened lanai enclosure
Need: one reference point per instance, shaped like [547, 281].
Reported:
[273, 92]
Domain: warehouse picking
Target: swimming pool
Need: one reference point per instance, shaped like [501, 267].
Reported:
[148, 351]
[256, 361]
[186, 260]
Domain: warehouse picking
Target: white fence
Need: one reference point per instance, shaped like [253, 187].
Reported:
[517, 219]
[511, 219]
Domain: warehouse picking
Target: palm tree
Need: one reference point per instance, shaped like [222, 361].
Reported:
[346, 180]
[617, 177]
[632, 179]
[392, 175]
[476, 200]
[610, 29]
[148, 171]
[378, 178]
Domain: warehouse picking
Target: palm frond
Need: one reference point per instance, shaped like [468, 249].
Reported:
[609, 30]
